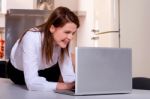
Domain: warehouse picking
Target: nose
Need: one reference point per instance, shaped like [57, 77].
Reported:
[70, 36]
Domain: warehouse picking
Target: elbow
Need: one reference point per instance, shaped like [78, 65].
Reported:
[30, 87]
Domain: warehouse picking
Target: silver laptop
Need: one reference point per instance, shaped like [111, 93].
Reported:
[102, 71]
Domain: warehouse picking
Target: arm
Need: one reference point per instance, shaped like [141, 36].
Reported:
[67, 72]
[31, 54]
[73, 60]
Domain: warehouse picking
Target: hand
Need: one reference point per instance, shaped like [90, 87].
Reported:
[61, 85]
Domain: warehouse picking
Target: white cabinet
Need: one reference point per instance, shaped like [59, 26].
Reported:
[109, 40]
[106, 15]
[101, 15]
[106, 22]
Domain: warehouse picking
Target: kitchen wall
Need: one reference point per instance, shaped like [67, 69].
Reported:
[2, 20]
[72, 4]
[135, 33]
[14, 4]
[19, 4]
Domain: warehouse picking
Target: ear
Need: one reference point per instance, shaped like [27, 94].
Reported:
[52, 29]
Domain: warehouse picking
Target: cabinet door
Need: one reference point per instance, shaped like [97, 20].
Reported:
[106, 20]
[109, 40]
[106, 15]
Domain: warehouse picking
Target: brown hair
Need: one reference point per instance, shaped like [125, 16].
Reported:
[58, 18]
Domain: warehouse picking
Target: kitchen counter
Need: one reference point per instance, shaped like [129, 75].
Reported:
[8, 90]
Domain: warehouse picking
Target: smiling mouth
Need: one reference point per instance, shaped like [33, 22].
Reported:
[65, 41]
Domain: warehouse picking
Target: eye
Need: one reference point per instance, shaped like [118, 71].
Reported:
[73, 33]
[67, 32]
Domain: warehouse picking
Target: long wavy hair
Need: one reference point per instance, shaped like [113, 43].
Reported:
[58, 18]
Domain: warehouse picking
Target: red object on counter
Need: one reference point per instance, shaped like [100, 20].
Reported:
[2, 48]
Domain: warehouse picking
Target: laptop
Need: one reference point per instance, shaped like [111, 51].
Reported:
[102, 71]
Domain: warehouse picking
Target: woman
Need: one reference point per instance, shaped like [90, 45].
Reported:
[36, 55]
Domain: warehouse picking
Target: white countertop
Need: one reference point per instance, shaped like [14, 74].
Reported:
[8, 90]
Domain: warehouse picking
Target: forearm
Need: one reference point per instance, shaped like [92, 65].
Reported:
[61, 85]
[40, 84]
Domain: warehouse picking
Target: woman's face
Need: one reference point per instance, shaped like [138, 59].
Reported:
[63, 35]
